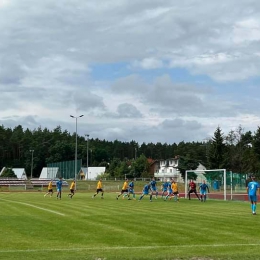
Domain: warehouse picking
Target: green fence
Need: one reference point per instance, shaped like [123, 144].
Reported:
[238, 181]
[65, 169]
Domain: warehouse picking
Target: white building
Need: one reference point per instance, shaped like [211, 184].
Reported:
[92, 174]
[19, 172]
[168, 169]
[49, 173]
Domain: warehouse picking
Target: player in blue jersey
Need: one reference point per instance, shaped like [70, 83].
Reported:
[169, 191]
[164, 187]
[203, 191]
[153, 187]
[59, 186]
[147, 191]
[252, 189]
[131, 186]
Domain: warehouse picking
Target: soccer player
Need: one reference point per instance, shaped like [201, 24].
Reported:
[99, 189]
[164, 187]
[252, 188]
[124, 190]
[59, 186]
[169, 190]
[192, 189]
[175, 190]
[131, 190]
[50, 190]
[147, 191]
[203, 191]
[72, 189]
[153, 187]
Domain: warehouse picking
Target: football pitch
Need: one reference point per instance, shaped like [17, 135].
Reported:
[34, 227]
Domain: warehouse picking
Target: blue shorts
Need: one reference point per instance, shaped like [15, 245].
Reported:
[252, 198]
[146, 192]
[131, 191]
[164, 190]
[58, 190]
[154, 189]
[170, 191]
[203, 192]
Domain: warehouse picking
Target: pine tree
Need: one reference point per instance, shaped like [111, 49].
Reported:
[217, 150]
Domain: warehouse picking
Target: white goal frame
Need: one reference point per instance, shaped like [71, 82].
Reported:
[225, 180]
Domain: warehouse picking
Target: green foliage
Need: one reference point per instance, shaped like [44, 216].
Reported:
[217, 150]
[140, 167]
[238, 151]
[8, 172]
[188, 164]
[103, 176]
[115, 163]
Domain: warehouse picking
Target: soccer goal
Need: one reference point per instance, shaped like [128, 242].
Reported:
[216, 180]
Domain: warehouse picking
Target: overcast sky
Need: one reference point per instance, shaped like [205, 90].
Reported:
[148, 71]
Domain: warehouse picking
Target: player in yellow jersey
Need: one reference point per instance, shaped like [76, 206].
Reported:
[175, 190]
[72, 189]
[124, 190]
[50, 190]
[99, 189]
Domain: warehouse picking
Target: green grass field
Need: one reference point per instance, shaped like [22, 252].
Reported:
[34, 227]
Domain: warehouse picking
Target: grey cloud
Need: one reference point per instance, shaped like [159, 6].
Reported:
[180, 124]
[30, 121]
[128, 111]
[47, 49]
[133, 84]
[127, 30]
[87, 101]
[167, 98]
[169, 131]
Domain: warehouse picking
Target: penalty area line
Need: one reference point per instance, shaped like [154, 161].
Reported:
[33, 206]
[119, 248]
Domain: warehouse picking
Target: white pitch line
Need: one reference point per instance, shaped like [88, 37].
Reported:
[33, 206]
[120, 247]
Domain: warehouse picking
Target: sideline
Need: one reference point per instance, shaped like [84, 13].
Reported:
[33, 206]
[120, 247]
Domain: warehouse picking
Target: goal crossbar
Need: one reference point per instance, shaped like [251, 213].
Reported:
[225, 178]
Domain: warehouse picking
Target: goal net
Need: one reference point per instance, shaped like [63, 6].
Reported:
[216, 179]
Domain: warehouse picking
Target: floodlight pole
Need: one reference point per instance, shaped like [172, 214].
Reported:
[87, 135]
[76, 143]
[32, 163]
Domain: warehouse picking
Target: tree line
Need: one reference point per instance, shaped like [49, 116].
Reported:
[238, 151]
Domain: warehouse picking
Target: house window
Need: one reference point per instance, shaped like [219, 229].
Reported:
[170, 170]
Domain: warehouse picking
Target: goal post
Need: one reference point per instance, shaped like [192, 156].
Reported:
[209, 171]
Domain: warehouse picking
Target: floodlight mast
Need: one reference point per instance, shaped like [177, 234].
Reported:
[32, 163]
[76, 143]
[87, 135]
